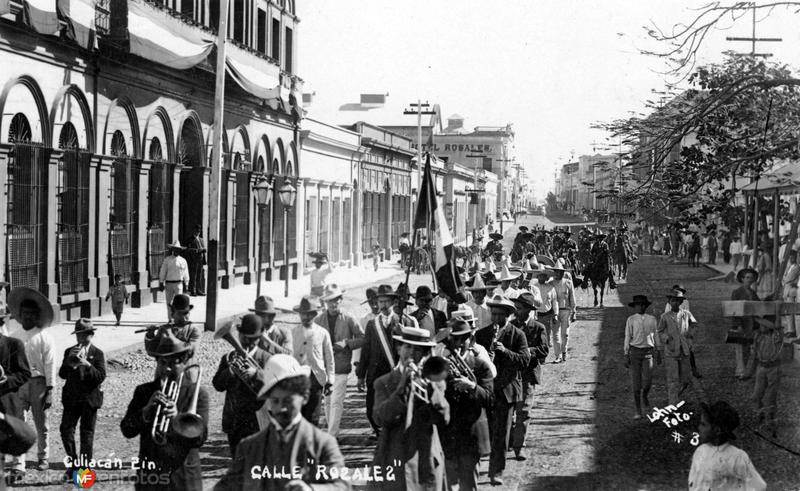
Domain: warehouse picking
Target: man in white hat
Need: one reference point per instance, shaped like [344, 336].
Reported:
[290, 443]
[505, 289]
[35, 314]
[346, 335]
[508, 347]
[481, 311]
[409, 434]
[312, 347]
[174, 273]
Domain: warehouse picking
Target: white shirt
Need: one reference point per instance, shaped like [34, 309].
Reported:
[313, 348]
[365, 320]
[319, 276]
[640, 331]
[174, 268]
[510, 294]
[736, 247]
[482, 314]
[549, 298]
[40, 350]
[723, 468]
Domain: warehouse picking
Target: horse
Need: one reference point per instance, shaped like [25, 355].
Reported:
[599, 271]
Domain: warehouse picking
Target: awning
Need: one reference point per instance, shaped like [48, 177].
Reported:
[256, 75]
[41, 16]
[80, 15]
[157, 36]
[784, 180]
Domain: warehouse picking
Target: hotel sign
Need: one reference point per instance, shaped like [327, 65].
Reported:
[453, 147]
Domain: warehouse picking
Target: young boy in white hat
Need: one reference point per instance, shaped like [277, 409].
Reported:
[289, 443]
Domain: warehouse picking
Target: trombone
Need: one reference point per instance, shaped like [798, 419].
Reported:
[239, 361]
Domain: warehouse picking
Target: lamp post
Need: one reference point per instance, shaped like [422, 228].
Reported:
[263, 192]
[288, 194]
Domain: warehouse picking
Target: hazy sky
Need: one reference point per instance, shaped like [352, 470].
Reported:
[551, 68]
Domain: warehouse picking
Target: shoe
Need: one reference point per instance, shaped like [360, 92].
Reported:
[558, 359]
[696, 375]
[495, 481]
[42, 465]
[564, 356]
[518, 454]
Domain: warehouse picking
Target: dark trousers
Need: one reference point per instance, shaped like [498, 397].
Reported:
[500, 425]
[87, 416]
[522, 415]
[196, 280]
[370, 405]
[310, 410]
[462, 470]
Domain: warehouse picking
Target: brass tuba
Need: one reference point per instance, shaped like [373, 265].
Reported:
[238, 360]
[188, 427]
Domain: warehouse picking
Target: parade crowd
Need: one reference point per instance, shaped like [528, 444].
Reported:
[449, 379]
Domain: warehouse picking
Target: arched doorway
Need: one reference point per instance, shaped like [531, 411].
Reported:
[124, 219]
[241, 166]
[190, 155]
[72, 253]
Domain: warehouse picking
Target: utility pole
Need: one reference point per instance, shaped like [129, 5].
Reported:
[419, 111]
[216, 172]
[753, 39]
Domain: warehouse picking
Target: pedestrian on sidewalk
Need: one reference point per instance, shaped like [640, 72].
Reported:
[717, 464]
[346, 336]
[35, 314]
[173, 275]
[790, 278]
[766, 353]
[84, 369]
[312, 348]
[319, 275]
[744, 326]
[676, 331]
[196, 252]
[118, 294]
[736, 250]
[276, 339]
[641, 344]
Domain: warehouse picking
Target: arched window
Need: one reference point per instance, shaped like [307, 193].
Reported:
[190, 146]
[19, 130]
[73, 214]
[156, 153]
[124, 207]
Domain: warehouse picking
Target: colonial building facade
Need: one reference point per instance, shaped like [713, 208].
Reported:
[105, 142]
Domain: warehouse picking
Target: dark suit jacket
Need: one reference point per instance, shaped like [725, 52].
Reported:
[15, 365]
[311, 447]
[182, 464]
[418, 448]
[373, 362]
[241, 403]
[439, 318]
[536, 336]
[509, 363]
[83, 383]
[465, 408]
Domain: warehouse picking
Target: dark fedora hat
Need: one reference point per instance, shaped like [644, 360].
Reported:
[181, 303]
[264, 305]
[740, 274]
[167, 344]
[526, 300]
[250, 326]
[385, 291]
[639, 300]
[424, 292]
[83, 325]
[372, 294]
[307, 304]
[495, 236]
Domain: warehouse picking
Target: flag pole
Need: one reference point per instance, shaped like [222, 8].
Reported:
[413, 248]
[216, 172]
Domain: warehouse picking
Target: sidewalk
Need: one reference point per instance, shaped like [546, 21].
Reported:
[230, 303]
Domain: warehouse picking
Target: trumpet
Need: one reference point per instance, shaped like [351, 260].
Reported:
[459, 367]
[161, 423]
[239, 361]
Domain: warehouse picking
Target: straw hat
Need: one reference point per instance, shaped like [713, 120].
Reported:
[22, 293]
[506, 275]
[416, 336]
[331, 292]
[477, 284]
[176, 245]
